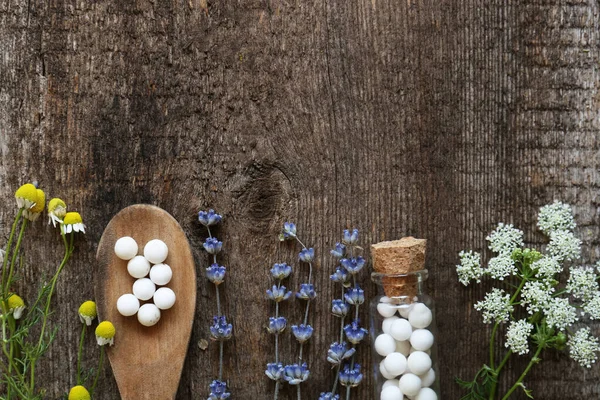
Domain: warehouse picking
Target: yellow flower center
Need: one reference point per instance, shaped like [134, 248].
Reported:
[57, 207]
[27, 192]
[88, 309]
[72, 218]
[40, 201]
[15, 301]
[79, 393]
[106, 330]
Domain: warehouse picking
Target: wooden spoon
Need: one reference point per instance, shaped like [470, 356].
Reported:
[146, 361]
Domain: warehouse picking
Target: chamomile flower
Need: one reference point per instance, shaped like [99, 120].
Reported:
[79, 393]
[564, 245]
[33, 213]
[556, 217]
[73, 223]
[16, 305]
[105, 333]
[583, 347]
[560, 314]
[26, 196]
[505, 238]
[87, 312]
[582, 283]
[517, 336]
[469, 267]
[495, 307]
[57, 209]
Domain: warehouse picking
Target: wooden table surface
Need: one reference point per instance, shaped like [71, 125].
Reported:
[430, 118]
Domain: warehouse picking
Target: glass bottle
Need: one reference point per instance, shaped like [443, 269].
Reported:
[404, 336]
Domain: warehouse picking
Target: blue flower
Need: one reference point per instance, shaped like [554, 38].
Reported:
[329, 396]
[307, 255]
[218, 391]
[220, 329]
[351, 376]
[355, 296]
[281, 271]
[350, 237]
[307, 292]
[339, 250]
[302, 332]
[277, 325]
[295, 374]
[215, 273]
[340, 276]
[339, 308]
[209, 218]
[289, 230]
[212, 245]
[274, 371]
[354, 332]
[353, 265]
[338, 352]
[278, 294]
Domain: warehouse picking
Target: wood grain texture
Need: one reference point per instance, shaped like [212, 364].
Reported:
[428, 118]
[146, 361]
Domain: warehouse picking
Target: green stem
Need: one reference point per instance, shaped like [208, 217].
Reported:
[494, 388]
[493, 337]
[6, 254]
[276, 390]
[97, 371]
[14, 257]
[80, 352]
[534, 360]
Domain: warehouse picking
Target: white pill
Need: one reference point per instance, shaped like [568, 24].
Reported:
[386, 310]
[138, 267]
[395, 364]
[385, 344]
[385, 299]
[410, 384]
[126, 248]
[156, 251]
[419, 362]
[426, 394]
[421, 339]
[404, 309]
[403, 347]
[427, 378]
[144, 289]
[387, 324]
[401, 329]
[148, 314]
[128, 305]
[161, 274]
[390, 382]
[392, 393]
[164, 298]
[384, 372]
[420, 316]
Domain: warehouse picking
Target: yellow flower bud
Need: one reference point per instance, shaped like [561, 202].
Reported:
[87, 312]
[105, 333]
[79, 393]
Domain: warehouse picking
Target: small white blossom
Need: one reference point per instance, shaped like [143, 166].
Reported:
[469, 268]
[535, 295]
[582, 283]
[583, 347]
[500, 267]
[564, 245]
[546, 267]
[517, 336]
[556, 217]
[560, 314]
[505, 239]
[495, 307]
[592, 306]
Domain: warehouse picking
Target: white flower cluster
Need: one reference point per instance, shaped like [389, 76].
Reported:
[592, 306]
[495, 307]
[583, 347]
[560, 314]
[582, 283]
[469, 267]
[556, 217]
[501, 267]
[516, 336]
[546, 267]
[505, 239]
[536, 295]
[564, 246]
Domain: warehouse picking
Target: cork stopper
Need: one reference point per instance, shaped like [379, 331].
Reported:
[398, 257]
